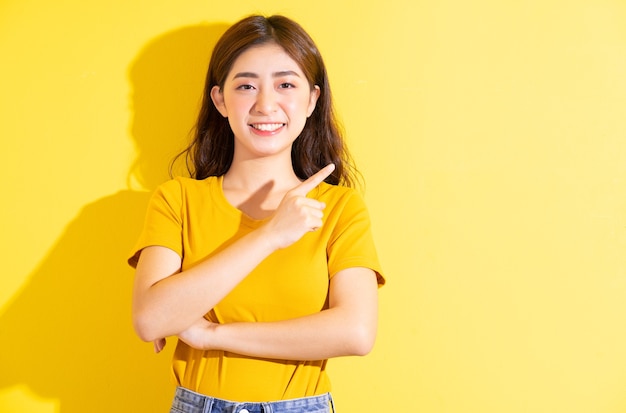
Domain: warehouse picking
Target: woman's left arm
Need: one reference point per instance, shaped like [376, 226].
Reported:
[347, 328]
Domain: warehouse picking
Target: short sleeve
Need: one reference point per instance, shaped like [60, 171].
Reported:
[351, 243]
[163, 221]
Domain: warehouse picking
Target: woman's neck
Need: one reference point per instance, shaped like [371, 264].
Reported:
[256, 187]
[254, 174]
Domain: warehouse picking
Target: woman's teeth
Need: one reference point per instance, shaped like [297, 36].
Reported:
[267, 127]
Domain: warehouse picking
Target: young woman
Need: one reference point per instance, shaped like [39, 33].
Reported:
[263, 265]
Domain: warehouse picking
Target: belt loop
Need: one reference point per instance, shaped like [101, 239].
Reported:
[332, 403]
[208, 405]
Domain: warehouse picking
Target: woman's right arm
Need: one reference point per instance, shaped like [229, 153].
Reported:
[167, 301]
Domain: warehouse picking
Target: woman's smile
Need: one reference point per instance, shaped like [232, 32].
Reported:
[267, 127]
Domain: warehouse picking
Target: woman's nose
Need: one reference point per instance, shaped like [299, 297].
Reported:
[266, 102]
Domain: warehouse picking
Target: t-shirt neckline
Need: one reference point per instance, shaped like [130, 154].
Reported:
[218, 190]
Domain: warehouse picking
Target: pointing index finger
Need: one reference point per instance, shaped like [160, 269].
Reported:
[314, 180]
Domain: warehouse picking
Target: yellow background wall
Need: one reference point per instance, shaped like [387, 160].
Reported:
[492, 138]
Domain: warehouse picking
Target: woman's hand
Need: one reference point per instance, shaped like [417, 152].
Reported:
[159, 345]
[196, 336]
[199, 334]
[296, 215]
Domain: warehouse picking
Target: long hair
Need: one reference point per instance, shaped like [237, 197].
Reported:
[320, 142]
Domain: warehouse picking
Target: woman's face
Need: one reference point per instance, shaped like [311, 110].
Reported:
[267, 99]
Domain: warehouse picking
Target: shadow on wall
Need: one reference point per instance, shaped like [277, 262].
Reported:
[67, 335]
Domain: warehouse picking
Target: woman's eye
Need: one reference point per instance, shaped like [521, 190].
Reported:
[287, 85]
[245, 87]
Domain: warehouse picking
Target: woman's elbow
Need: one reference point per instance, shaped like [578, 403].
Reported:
[144, 334]
[144, 327]
[362, 339]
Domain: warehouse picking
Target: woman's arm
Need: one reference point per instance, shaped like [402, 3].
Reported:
[347, 327]
[167, 301]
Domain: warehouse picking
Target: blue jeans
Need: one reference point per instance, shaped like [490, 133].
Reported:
[187, 401]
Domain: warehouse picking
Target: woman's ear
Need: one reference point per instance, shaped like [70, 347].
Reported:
[218, 100]
[315, 94]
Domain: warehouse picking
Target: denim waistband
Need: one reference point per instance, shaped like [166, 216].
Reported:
[187, 401]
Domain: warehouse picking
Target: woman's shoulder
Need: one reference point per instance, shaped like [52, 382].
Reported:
[337, 194]
[184, 187]
[189, 184]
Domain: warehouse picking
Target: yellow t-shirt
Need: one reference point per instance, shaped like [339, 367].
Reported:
[194, 219]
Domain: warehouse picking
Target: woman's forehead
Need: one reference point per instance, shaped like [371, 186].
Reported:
[264, 59]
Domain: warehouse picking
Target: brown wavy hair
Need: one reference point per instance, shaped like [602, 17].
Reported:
[321, 141]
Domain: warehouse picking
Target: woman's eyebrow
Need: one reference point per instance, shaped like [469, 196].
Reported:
[285, 73]
[275, 74]
[246, 74]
